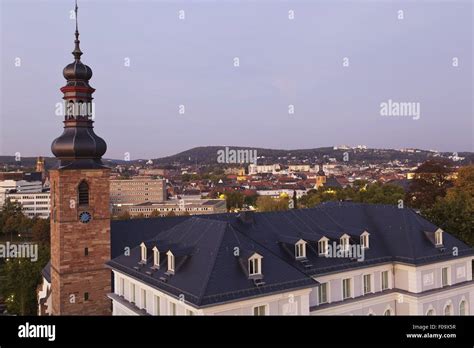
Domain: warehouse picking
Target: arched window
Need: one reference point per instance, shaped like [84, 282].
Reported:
[388, 312]
[430, 312]
[447, 309]
[462, 308]
[83, 193]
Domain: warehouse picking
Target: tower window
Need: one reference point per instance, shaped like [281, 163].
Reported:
[86, 251]
[83, 193]
[86, 296]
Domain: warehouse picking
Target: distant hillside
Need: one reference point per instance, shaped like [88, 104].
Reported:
[208, 155]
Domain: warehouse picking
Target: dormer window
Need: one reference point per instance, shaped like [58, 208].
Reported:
[323, 246]
[300, 249]
[156, 258]
[364, 240]
[170, 261]
[143, 253]
[344, 241]
[255, 264]
[439, 237]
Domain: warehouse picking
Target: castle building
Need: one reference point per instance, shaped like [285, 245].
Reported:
[80, 214]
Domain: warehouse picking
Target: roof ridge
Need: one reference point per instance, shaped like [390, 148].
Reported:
[212, 264]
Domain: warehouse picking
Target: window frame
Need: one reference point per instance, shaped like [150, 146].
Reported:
[370, 290]
[382, 280]
[258, 307]
[344, 288]
[326, 287]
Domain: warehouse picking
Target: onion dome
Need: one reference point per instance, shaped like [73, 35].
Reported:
[78, 146]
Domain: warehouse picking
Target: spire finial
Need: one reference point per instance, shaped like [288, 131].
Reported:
[77, 53]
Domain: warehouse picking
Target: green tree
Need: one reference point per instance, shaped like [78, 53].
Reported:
[155, 213]
[41, 231]
[432, 179]
[234, 200]
[454, 213]
[267, 203]
[20, 279]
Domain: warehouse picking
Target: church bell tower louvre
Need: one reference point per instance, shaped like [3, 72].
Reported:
[80, 214]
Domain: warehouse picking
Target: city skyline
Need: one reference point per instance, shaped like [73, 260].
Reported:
[282, 62]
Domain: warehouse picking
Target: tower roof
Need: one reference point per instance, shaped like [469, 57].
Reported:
[78, 146]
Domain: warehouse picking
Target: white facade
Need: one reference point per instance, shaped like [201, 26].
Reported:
[133, 297]
[33, 204]
[22, 186]
[260, 169]
[411, 290]
[395, 289]
[277, 192]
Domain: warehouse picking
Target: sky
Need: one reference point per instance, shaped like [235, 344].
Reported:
[285, 63]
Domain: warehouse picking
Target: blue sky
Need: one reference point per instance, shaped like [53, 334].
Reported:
[282, 62]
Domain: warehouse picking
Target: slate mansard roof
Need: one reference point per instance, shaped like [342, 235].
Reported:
[208, 272]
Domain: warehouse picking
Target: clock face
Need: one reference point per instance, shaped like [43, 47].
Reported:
[85, 217]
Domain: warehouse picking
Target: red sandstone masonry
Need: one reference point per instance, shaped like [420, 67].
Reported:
[73, 273]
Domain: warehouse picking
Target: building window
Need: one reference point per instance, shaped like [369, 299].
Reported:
[172, 308]
[430, 312]
[255, 265]
[388, 312]
[86, 296]
[157, 305]
[439, 237]
[346, 288]
[170, 262]
[323, 293]
[156, 258]
[132, 292]
[344, 241]
[444, 276]
[86, 251]
[300, 249]
[447, 310]
[323, 246]
[364, 240]
[143, 253]
[143, 296]
[384, 280]
[259, 310]
[367, 284]
[462, 308]
[189, 312]
[83, 193]
[122, 287]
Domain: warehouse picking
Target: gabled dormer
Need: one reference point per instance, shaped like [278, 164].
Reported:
[171, 262]
[255, 265]
[364, 239]
[156, 258]
[300, 249]
[344, 241]
[323, 246]
[438, 237]
[143, 255]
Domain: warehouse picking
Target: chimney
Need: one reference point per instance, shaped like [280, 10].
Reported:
[246, 216]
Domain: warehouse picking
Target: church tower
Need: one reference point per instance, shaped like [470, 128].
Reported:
[80, 215]
[320, 177]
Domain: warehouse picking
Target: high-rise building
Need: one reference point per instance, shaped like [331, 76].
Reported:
[80, 215]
